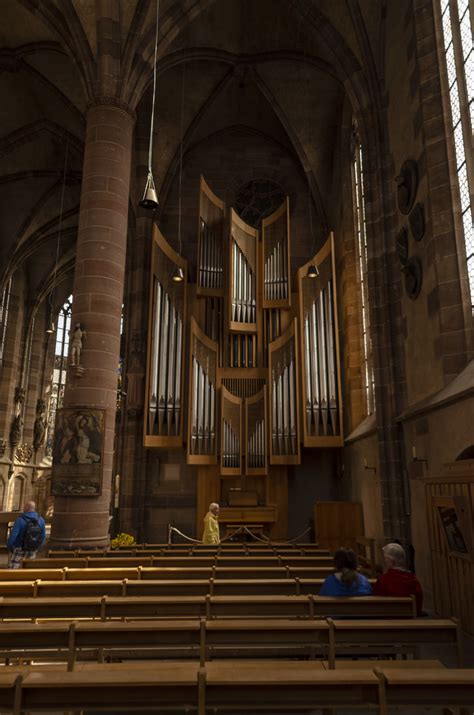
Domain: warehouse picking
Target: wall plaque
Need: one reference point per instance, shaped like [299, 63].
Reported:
[78, 452]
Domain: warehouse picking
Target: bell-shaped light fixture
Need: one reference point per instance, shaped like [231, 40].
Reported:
[50, 329]
[150, 199]
[178, 275]
[312, 271]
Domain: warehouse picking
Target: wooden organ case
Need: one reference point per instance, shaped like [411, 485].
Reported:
[239, 371]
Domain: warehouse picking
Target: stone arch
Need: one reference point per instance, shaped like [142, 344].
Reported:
[17, 492]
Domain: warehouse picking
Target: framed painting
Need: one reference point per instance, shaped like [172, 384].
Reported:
[78, 449]
[454, 515]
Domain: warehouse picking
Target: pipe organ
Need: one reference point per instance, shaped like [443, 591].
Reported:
[166, 331]
[262, 373]
[243, 275]
[210, 269]
[321, 387]
[202, 442]
[276, 258]
[283, 380]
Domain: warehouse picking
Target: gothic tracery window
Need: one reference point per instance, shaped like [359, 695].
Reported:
[58, 378]
[457, 23]
[360, 230]
[4, 307]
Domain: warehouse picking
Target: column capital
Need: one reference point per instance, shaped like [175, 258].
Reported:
[112, 102]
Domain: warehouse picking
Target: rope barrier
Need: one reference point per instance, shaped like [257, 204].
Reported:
[297, 538]
[242, 529]
[257, 538]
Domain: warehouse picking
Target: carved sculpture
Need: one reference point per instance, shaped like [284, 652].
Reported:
[39, 429]
[76, 344]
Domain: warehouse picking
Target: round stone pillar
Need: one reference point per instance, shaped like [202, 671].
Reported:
[97, 305]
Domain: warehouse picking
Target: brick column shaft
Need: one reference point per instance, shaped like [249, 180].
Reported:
[97, 304]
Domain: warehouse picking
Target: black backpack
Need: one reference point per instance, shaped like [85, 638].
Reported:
[33, 536]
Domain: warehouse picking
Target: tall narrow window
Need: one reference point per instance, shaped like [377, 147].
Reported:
[4, 307]
[358, 192]
[58, 378]
[457, 24]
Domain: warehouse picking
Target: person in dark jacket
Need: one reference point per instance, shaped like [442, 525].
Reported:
[26, 537]
[346, 581]
[396, 580]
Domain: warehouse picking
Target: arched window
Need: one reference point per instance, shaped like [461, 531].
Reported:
[16, 494]
[360, 231]
[457, 23]
[4, 306]
[58, 378]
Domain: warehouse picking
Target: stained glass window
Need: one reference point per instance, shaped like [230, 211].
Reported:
[4, 308]
[58, 378]
[360, 228]
[457, 19]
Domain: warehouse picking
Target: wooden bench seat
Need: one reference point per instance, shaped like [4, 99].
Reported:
[110, 572]
[440, 688]
[362, 636]
[229, 637]
[163, 587]
[203, 606]
[181, 562]
[233, 686]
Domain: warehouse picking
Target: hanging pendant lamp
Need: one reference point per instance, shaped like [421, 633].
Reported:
[150, 199]
[178, 274]
[312, 271]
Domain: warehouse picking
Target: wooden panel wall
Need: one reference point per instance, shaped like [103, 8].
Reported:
[453, 574]
[338, 523]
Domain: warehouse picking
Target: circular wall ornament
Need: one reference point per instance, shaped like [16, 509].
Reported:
[417, 222]
[402, 245]
[413, 272]
[257, 199]
[407, 185]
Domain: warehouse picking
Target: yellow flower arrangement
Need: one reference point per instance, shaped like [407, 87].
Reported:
[122, 540]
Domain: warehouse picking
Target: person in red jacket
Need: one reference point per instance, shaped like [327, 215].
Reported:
[396, 580]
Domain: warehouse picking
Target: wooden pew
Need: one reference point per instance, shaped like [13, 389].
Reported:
[221, 636]
[181, 562]
[162, 587]
[233, 686]
[445, 688]
[106, 607]
[353, 637]
[110, 573]
[295, 686]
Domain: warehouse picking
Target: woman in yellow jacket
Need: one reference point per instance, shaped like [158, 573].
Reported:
[211, 525]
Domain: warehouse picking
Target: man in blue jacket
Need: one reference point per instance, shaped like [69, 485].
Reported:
[26, 537]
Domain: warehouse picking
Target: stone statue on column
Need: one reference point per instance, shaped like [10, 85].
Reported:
[39, 429]
[78, 334]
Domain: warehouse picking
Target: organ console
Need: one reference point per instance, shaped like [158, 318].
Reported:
[262, 374]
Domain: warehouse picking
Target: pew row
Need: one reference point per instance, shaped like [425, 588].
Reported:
[162, 587]
[255, 562]
[221, 637]
[211, 551]
[109, 607]
[143, 572]
[235, 686]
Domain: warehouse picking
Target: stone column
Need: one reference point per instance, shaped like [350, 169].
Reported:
[97, 304]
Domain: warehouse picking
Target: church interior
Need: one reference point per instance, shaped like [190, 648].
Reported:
[237, 270]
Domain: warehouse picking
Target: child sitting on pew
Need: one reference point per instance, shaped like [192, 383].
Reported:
[346, 581]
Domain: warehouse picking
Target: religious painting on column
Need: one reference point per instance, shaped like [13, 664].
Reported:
[78, 452]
